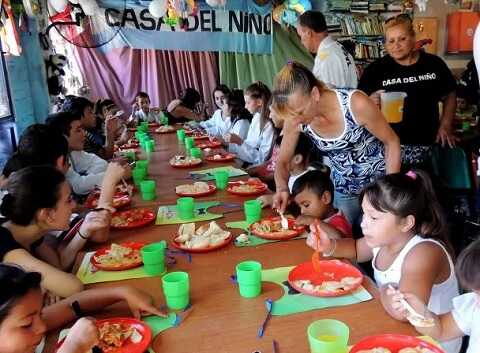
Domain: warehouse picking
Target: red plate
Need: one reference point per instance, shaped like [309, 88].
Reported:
[260, 188]
[294, 230]
[199, 136]
[153, 124]
[209, 144]
[103, 251]
[333, 270]
[203, 250]
[393, 342]
[120, 199]
[225, 157]
[190, 165]
[133, 129]
[212, 189]
[128, 346]
[147, 216]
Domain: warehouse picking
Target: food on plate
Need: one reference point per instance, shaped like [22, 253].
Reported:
[246, 188]
[165, 128]
[273, 227]
[118, 200]
[345, 284]
[184, 161]
[243, 239]
[115, 335]
[376, 350]
[127, 217]
[119, 255]
[195, 188]
[415, 350]
[205, 236]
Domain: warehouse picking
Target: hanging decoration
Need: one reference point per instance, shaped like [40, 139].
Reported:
[174, 12]
[287, 13]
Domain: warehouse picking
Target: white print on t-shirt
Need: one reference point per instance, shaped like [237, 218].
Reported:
[411, 79]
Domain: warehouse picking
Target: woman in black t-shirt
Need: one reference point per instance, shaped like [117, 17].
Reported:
[426, 80]
[38, 201]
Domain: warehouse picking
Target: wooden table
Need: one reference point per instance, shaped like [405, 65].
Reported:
[221, 320]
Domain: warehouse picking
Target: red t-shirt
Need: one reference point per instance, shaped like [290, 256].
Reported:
[340, 222]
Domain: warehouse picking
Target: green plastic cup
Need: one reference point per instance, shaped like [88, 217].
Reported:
[249, 277]
[196, 152]
[181, 135]
[148, 189]
[185, 208]
[328, 336]
[143, 164]
[176, 288]
[189, 142]
[221, 179]
[253, 211]
[153, 256]
[138, 174]
[149, 146]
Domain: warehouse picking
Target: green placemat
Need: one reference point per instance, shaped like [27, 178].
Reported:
[88, 274]
[159, 324]
[207, 174]
[293, 302]
[253, 240]
[168, 214]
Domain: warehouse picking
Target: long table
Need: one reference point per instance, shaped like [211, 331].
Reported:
[221, 320]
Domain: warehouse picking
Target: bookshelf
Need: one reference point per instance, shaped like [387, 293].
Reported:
[358, 24]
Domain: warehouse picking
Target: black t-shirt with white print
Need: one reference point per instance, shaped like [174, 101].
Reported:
[426, 83]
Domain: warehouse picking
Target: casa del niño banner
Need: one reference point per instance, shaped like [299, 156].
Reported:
[241, 26]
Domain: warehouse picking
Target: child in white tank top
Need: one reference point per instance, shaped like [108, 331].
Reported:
[404, 236]
[464, 319]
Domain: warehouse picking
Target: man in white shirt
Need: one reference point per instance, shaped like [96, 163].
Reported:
[333, 64]
[86, 169]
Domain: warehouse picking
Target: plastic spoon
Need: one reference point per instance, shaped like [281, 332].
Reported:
[284, 221]
[316, 254]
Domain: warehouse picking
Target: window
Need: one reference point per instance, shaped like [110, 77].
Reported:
[5, 98]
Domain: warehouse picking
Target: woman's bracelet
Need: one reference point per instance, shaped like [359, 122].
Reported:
[330, 253]
[81, 235]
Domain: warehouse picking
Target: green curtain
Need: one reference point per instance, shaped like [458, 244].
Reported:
[240, 70]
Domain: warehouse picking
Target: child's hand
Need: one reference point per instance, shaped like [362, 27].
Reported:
[323, 243]
[135, 107]
[234, 138]
[140, 302]
[114, 173]
[94, 221]
[82, 337]
[397, 299]
[265, 200]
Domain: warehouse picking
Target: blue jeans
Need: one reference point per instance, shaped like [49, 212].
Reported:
[350, 206]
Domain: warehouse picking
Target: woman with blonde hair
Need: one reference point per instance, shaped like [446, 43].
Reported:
[426, 80]
[345, 125]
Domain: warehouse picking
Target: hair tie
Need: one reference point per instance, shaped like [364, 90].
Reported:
[411, 174]
[290, 62]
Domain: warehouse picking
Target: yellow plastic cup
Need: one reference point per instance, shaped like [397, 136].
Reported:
[392, 105]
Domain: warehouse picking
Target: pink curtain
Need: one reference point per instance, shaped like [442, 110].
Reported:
[121, 73]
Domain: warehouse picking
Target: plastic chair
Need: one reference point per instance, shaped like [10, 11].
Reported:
[452, 166]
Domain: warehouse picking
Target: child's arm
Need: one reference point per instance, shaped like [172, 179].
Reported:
[332, 232]
[342, 248]
[54, 280]
[60, 313]
[445, 327]
[95, 223]
[421, 269]
[266, 200]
